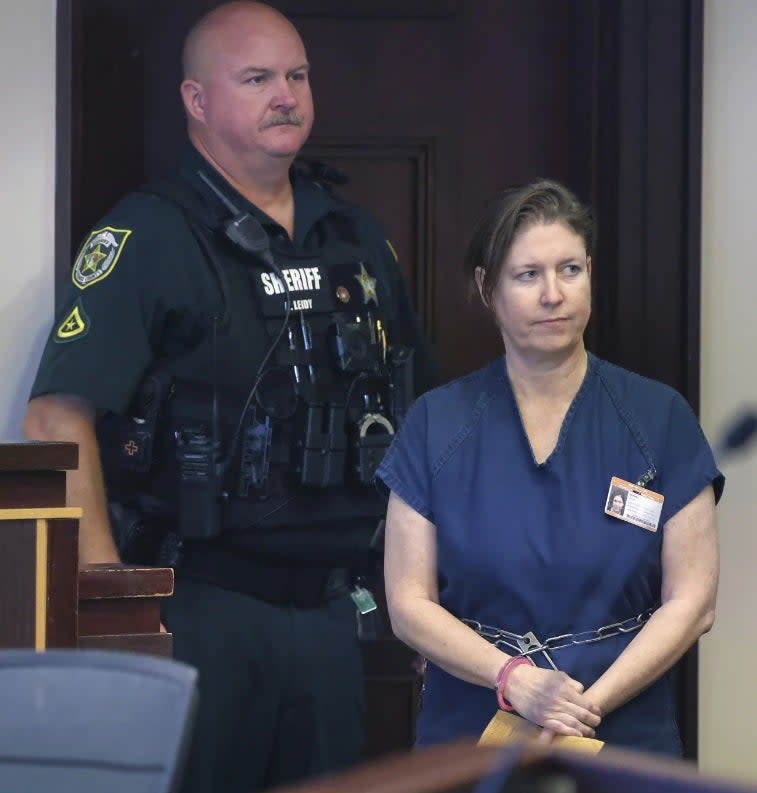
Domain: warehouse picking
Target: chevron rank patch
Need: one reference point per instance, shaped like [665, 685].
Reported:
[74, 326]
[99, 256]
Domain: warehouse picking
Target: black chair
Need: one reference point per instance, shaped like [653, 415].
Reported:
[86, 720]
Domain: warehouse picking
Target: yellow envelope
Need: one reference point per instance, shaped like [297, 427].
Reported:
[506, 728]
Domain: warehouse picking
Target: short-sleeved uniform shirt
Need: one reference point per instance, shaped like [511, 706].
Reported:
[527, 547]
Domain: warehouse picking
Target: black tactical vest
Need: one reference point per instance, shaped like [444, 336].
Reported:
[243, 448]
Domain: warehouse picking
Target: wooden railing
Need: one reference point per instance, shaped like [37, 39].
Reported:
[45, 600]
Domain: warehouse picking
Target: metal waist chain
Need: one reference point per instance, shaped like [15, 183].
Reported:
[528, 644]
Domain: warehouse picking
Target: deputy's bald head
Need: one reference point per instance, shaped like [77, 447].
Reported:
[205, 41]
[246, 90]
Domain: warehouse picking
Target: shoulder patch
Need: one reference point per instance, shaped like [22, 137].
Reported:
[74, 326]
[98, 256]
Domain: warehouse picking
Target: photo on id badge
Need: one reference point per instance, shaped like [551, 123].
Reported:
[634, 504]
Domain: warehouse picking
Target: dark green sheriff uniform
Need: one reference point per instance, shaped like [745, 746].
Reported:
[263, 610]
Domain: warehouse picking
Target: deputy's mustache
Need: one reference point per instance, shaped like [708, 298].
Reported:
[284, 119]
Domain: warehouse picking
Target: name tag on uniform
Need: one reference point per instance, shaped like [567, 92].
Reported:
[307, 287]
[634, 504]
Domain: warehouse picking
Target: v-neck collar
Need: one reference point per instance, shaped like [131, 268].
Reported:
[591, 367]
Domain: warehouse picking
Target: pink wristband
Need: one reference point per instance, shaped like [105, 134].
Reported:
[504, 673]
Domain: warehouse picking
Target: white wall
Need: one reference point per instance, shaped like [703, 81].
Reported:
[728, 672]
[27, 192]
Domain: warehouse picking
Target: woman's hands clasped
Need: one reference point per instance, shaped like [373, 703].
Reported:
[553, 700]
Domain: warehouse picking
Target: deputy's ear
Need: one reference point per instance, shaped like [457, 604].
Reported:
[588, 265]
[194, 99]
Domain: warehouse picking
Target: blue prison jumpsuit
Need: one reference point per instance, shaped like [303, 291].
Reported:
[527, 547]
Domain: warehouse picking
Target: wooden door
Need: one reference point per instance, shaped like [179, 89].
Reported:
[427, 106]
[430, 106]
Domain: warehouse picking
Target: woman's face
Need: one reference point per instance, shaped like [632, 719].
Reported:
[542, 301]
[617, 504]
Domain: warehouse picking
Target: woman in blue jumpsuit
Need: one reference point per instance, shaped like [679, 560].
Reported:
[498, 544]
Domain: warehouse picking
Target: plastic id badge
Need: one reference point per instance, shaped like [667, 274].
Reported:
[634, 504]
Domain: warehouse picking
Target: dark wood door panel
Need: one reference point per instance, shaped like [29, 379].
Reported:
[395, 179]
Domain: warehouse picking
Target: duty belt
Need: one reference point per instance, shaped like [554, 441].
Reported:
[527, 644]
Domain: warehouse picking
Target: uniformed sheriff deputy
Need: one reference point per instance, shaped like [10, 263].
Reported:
[233, 355]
